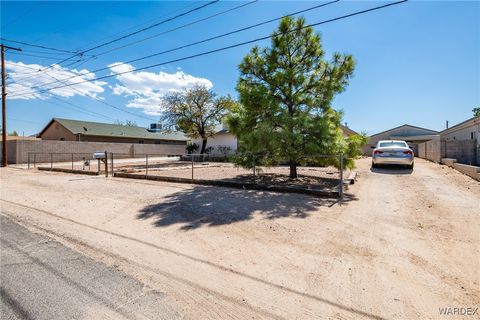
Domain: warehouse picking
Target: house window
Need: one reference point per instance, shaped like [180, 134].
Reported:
[471, 135]
[141, 141]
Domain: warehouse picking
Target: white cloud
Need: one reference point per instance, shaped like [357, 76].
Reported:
[146, 89]
[24, 79]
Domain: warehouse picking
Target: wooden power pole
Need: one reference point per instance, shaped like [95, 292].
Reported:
[4, 106]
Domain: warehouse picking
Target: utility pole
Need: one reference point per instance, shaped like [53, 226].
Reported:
[4, 106]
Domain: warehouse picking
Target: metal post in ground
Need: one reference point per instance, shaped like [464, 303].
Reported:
[34, 160]
[146, 165]
[254, 169]
[28, 160]
[51, 160]
[341, 178]
[106, 164]
[111, 161]
[192, 168]
[72, 161]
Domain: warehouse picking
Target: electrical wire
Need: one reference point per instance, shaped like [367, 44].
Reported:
[206, 40]
[231, 46]
[142, 30]
[97, 99]
[37, 46]
[35, 55]
[178, 28]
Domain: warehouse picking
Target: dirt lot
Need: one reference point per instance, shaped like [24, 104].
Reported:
[402, 246]
[322, 178]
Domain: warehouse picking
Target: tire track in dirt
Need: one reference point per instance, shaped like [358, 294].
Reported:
[267, 301]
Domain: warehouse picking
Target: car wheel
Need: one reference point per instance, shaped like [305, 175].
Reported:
[410, 166]
[374, 165]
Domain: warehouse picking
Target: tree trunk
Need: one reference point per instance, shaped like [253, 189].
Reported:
[204, 146]
[293, 170]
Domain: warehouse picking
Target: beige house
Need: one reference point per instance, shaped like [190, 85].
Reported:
[86, 131]
[224, 138]
[466, 130]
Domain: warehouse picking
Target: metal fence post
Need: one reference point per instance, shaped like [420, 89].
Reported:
[254, 169]
[28, 160]
[51, 160]
[146, 165]
[72, 161]
[341, 177]
[192, 168]
[34, 160]
[106, 164]
[111, 161]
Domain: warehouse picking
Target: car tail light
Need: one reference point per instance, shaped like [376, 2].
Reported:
[377, 152]
[408, 152]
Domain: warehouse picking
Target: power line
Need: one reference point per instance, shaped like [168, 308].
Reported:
[111, 105]
[21, 120]
[46, 52]
[37, 46]
[117, 39]
[178, 28]
[97, 99]
[231, 46]
[106, 103]
[168, 31]
[143, 29]
[205, 40]
[140, 24]
[81, 53]
[37, 56]
[79, 108]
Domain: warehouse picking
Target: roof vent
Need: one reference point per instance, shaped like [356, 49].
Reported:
[155, 127]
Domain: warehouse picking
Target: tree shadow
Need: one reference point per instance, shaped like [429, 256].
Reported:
[392, 169]
[215, 206]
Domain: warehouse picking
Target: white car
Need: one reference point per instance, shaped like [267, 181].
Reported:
[392, 152]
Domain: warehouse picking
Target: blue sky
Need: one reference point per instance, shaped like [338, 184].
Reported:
[417, 62]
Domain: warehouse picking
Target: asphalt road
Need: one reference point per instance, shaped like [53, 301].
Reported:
[43, 279]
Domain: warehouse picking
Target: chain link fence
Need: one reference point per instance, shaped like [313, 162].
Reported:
[66, 161]
[201, 168]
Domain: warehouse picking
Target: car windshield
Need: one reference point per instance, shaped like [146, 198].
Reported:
[392, 144]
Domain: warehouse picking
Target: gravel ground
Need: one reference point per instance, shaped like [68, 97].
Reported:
[404, 244]
[313, 177]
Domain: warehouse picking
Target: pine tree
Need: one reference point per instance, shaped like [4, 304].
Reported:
[286, 91]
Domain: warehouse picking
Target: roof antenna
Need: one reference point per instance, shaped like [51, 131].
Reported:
[446, 122]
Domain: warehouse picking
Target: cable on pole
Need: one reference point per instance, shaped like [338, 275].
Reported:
[231, 46]
[203, 41]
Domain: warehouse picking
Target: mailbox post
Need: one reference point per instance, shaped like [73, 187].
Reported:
[102, 156]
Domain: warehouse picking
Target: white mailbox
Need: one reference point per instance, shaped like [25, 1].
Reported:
[99, 155]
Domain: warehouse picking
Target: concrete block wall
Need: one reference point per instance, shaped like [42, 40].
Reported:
[431, 150]
[472, 171]
[478, 152]
[448, 162]
[465, 151]
[18, 150]
[421, 151]
[159, 149]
